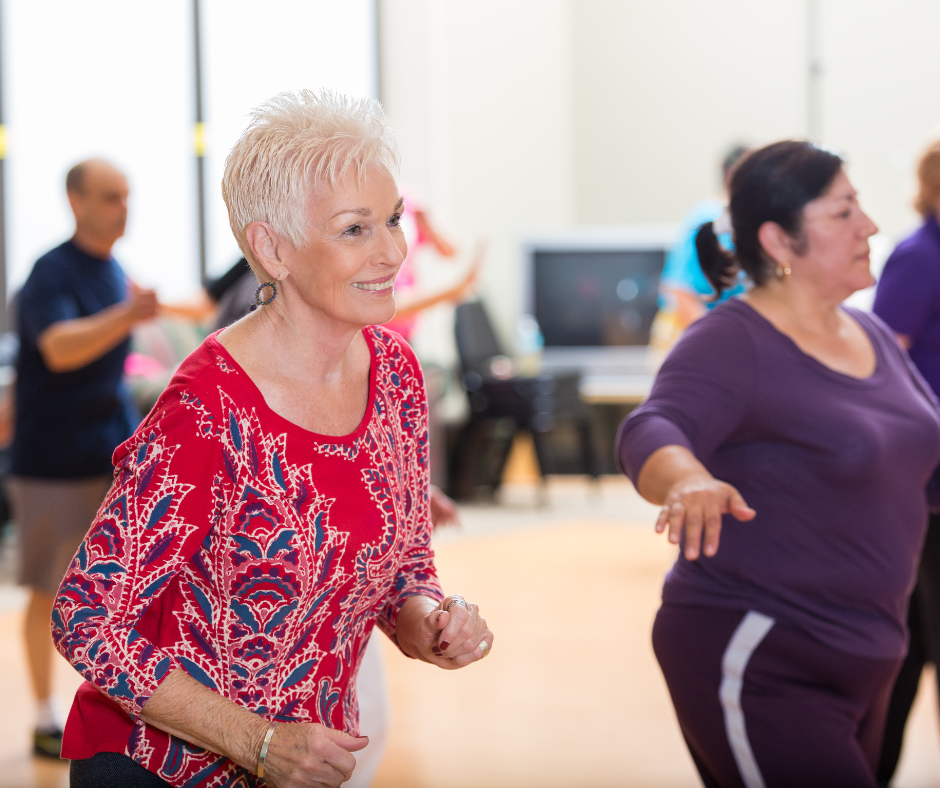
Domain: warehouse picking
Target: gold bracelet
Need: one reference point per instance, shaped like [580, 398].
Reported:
[264, 749]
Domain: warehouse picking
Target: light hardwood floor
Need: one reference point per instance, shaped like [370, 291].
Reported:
[571, 695]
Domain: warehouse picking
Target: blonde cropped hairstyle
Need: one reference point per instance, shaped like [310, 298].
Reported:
[296, 140]
[928, 177]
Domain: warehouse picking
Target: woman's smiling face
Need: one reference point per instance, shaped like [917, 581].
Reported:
[354, 249]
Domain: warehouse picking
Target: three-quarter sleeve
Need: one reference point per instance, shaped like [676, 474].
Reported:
[701, 394]
[159, 510]
[416, 574]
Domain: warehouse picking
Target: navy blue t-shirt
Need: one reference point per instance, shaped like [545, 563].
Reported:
[68, 424]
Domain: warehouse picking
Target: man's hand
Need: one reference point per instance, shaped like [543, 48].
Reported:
[73, 344]
[141, 303]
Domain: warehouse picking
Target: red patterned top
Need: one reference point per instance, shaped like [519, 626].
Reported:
[253, 554]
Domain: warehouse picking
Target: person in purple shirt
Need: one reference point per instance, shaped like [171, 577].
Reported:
[908, 300]
[796, 431]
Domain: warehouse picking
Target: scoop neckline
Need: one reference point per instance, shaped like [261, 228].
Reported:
[289, 426]
[872, 380]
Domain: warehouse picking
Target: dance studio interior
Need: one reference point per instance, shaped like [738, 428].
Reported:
[555, 158]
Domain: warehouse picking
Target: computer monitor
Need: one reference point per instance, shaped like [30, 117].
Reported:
[596, 287]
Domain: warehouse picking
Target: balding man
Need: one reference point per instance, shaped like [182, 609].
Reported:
[75, 315]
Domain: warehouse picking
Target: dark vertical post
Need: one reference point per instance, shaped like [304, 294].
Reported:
[3, 207]
[199, 137]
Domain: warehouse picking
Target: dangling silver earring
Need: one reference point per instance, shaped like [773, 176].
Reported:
[783, 272]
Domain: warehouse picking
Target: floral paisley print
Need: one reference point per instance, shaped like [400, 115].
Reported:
[252, 554]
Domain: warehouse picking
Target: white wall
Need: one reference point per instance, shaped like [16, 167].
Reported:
[663, 88]
[111, 78]
[516, 115]
[481, 95]
[520, 115]
[254, 51]
[81, 80]
[881, 97]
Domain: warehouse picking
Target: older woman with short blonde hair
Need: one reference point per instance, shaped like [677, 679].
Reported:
[273, 507]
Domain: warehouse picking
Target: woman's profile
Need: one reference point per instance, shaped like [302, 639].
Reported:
[791, 444]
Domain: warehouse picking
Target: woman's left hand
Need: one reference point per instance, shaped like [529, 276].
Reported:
[451, 635]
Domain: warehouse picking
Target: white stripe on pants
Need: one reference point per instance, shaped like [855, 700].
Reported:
[745, 640]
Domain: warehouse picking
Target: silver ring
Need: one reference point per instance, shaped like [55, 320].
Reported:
[456, 599]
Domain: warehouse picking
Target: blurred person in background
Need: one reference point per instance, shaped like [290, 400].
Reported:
[273, 507]
[235, 294]
[686, 293]
[796, 430]
[908, 300]
[74, 318]
[420, 232]
[204, 306]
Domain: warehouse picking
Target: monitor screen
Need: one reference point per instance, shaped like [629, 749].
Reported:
[596, 297]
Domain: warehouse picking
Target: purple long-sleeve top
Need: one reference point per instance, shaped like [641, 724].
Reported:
[836, 468]
[908, 297]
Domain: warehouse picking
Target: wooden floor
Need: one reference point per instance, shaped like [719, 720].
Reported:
[571, 695]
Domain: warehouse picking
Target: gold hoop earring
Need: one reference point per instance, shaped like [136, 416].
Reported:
[783, 272]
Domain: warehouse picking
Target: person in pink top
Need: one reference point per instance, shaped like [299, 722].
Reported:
[420, 232]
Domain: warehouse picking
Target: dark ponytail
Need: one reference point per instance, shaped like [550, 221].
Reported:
[771, 184]
[718, 265]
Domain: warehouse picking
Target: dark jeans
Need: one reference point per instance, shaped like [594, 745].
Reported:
[923, 620]
[112, 770]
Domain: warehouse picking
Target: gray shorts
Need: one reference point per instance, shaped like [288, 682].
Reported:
[52, 516]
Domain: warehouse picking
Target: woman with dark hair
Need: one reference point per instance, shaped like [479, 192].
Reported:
[908, 300]
[794, 429]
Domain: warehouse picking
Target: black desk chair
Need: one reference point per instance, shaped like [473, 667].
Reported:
[501, 407]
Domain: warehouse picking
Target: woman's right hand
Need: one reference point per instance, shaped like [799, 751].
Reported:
[310, 755]
[695, 504]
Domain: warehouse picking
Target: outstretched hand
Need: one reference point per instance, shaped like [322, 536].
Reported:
[695, 505]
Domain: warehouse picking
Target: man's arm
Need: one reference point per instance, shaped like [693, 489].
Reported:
[73, 344]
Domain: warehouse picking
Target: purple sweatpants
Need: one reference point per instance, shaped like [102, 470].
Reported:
[763, 705]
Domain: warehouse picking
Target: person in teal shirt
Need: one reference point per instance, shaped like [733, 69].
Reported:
[685, 290]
